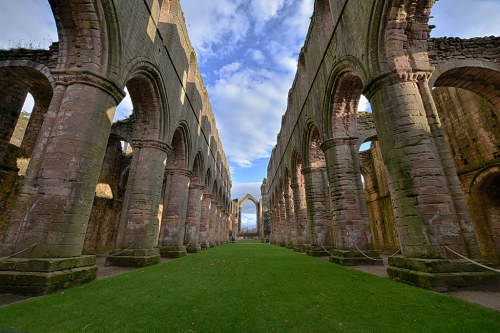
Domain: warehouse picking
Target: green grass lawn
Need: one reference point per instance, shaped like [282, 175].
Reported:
[247, 287]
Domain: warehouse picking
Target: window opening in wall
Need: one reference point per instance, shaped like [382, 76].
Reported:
[248, 219]
[20, 130]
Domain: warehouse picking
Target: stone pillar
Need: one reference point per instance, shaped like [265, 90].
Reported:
[301, 221]
[225, 229]
[174, 213]
[281, 225]
[351, 225]
[218, 225]
[318, 211]
[290, 221]
[136, 246]
[274, 222]
[204, 221]
[213, 216]
[191, 238]
[52, 212]
[427, 206]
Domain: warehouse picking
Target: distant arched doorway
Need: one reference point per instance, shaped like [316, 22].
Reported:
[258, 207]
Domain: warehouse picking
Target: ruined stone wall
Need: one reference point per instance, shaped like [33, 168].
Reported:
[382, 50]
[472, 128]
[378, 200]
[446, 49]
[106, 46]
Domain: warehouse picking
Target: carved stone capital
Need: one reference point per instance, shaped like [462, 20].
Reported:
[179, 172]
[90, 78]
[335, 142]
[154, 144]
[391, 78]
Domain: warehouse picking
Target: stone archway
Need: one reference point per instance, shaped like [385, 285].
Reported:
[258, 207]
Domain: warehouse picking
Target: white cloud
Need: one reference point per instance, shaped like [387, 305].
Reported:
[264, 10]
[248, 105]
[29, 103]
[124, 109]
[229, 69]
[248, 220]
[257, 55]
[363, 104]
[215, 29]
[239, 190]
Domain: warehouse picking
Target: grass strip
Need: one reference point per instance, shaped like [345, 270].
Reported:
[247, 287]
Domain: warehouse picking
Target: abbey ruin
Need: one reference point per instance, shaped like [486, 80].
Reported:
[83, 193]
[158, 184]
[430, 183]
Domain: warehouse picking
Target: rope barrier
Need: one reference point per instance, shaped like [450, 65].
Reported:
[325, 249]
[392, 255]
[15, 254]
[472, 261]
[110, 255]
[366, 255]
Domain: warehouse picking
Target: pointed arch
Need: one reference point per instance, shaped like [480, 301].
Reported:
[178, 157]
[324, 22]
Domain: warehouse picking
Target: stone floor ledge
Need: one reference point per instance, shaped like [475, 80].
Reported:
[39, 276]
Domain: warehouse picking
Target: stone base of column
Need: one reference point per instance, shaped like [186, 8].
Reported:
[40, 276]
[441, 274]
[133, 257]
[211, 245]
[290, 246]
[318, 251]
[193, 248]
[173, 251]
[300, 248]
[354, 258]
[204, 246]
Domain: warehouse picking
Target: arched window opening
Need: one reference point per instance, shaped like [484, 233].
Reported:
[17, 137]
[299, 189]
[318, 195]
[374, 178]
[107, 206]
[125, 109]
[488, 194]
[248, 219]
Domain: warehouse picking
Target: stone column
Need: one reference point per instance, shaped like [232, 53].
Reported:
[301, 221]
[282, 232]
[218, 225]
[213, 217]
[274, 221]
[318, 211]
[52, 212]
[351, 225]
[136, 245]
[204, 220]
[174, 213]
[191, 239]
[427, 206]
[290, 221]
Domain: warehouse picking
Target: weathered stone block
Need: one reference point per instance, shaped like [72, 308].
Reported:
[173, 251]
[441, 274]
[46, 275]
[354, 258]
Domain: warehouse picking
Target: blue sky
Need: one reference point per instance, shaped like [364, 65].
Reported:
[247, 53]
